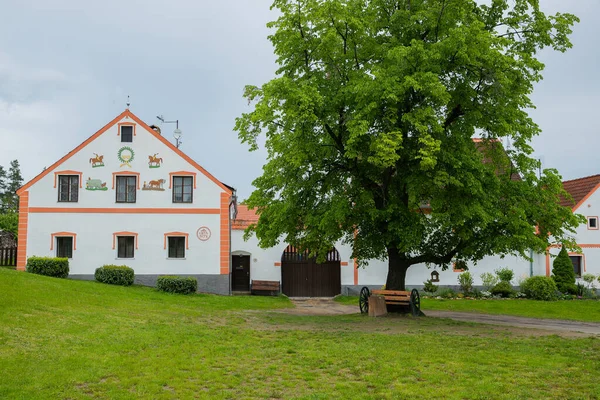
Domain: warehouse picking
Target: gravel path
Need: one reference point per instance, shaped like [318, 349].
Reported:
[322, 306]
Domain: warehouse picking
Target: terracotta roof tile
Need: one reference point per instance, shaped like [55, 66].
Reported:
[579, 189]
[244, 218]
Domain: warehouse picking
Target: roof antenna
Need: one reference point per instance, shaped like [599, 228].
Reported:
[128, 102]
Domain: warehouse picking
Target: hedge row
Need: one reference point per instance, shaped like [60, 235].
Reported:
[177, 284]
[49, 266]
[115, 275]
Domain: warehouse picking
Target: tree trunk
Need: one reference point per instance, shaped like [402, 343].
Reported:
[397, 267]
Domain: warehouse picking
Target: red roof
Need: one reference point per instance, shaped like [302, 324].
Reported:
[580, 189]
[244, 217]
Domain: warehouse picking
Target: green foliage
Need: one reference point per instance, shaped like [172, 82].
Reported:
[539, 288]
[503, 289]
[563, 273]
[115, 275]
[447, 293]
[589, 280]
[177, 284]
[505, 274]
[10, 222]
[370, 120]
[488, 280]
[50, 266]
[9, 183]
[465, 280]
[429, 287]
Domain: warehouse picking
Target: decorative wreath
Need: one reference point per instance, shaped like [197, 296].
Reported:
[123, 149]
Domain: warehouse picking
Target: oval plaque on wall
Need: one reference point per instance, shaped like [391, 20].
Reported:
[203, 233]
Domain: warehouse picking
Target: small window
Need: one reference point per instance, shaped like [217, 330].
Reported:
[183, 189]
[64, 247]
[127, 133]
[576, 260]
[68, 188]
[125, 246]
[592, 222]
[126, 189]
[176, 247]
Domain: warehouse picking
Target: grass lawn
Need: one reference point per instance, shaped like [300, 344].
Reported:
[575, 310]
[76, 340]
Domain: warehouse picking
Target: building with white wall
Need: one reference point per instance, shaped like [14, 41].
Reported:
[128, 196]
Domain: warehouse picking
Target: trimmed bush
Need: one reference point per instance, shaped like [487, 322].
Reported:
[177, 284]
[115, 275]
[563, 273]
[50, 266]
[465, 280]
[539, 288]
[503, 289]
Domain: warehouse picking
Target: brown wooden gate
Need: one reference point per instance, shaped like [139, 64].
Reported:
[302, 276]
[8, 256]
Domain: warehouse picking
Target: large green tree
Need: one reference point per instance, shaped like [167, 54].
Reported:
[369, 126]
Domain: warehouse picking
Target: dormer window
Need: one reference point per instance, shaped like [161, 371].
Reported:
[592, 223]
[126, 133]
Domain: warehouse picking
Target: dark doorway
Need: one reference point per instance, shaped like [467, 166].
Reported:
[241, 273]
[576, 260]
[302, 276]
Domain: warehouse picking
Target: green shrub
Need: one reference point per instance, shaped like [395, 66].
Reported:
[488, 280]
[447, 293]
[465, 280]
[503, 289]
[49, 266]
[563, 273]
[115, 275]
[505, 274]
[539, 288]
[177, 284]
[429, 287]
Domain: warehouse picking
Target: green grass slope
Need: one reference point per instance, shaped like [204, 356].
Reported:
[79, 340]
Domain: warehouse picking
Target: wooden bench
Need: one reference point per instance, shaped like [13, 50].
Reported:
[394, 300]
[265, 288]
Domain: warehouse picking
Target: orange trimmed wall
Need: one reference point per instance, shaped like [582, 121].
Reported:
[224, 235]
[22, 236]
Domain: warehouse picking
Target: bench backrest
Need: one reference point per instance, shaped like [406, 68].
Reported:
[393, 296]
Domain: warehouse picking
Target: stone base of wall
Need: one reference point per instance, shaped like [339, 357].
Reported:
[217, 284]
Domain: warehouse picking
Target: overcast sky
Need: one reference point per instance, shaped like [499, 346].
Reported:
[66, 68]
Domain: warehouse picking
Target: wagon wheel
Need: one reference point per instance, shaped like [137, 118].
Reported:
[363, 300]
[415, 303]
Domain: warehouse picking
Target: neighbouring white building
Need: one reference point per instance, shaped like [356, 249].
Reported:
[128, 196]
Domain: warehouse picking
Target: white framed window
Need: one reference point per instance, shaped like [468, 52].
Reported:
[125, 246]
[64, 246]
[592, 223]
[176, 247]
[126, 133]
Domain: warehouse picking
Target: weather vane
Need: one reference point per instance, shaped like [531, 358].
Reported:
[128, 102]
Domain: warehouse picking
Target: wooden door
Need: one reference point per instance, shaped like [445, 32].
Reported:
[240, 273]
[302, 276]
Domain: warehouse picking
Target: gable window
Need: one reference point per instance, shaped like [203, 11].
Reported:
[592, 222]
[183, 189]
[125, 246]
[68, 188]
[126, 189]
[126, 133]
[176, 247]
[64, 246]
[576, 260]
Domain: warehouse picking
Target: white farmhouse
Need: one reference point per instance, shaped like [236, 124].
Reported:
[127, 196]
